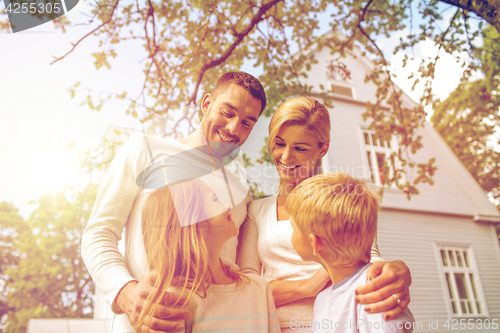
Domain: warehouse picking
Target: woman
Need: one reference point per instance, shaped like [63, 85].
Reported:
[299, 137]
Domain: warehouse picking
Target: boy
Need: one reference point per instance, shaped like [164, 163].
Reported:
[334, 219]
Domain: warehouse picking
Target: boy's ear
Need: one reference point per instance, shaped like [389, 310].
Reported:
[316, 244]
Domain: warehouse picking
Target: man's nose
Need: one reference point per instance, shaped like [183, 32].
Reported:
[233, 127]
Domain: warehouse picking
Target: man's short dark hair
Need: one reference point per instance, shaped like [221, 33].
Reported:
[245, 80]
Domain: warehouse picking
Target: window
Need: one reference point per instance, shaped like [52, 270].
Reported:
[463, 291]
[342, 90]
[340, 79]
[377, 153]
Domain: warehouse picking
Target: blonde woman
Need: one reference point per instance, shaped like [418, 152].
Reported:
[299, 137]
[184, 228]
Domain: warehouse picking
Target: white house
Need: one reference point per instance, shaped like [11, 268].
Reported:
[446, 234]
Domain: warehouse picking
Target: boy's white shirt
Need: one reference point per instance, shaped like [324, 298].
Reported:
[335, 310]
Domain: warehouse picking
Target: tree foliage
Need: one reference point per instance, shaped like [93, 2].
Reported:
[43, 272]
[188, 44]
[469, 119]
[12, 228]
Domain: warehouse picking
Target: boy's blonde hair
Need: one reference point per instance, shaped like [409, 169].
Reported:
[341, 211]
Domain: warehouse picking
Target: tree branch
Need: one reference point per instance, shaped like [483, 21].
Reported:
[256, 19]
[358, 25]
[90, 33]
[487, 9]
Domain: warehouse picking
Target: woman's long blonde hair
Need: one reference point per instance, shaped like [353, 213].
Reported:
[301, 111]
[178, 252]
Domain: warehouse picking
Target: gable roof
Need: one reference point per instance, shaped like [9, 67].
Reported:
[480, 207]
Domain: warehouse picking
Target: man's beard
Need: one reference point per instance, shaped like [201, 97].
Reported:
[223, 150]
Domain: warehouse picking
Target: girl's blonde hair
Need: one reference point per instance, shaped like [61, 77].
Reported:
[301, 111]
[177, 251]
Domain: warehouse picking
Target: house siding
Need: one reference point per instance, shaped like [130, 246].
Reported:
[264, 175]
[411, 237]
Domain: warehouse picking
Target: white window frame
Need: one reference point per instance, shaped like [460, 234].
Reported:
[475, 303]
[387, 149]
[335, 81]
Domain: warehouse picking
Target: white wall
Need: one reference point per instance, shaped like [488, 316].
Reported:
[411, 237]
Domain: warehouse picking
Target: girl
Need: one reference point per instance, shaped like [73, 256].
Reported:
[184, 228]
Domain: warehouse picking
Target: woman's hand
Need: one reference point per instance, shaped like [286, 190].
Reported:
[132, 297]
[286, 291]
[387, 289]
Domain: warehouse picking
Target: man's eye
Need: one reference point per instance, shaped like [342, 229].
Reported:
[246, 124]
[279, 144]
[300, 149]
[226, 114]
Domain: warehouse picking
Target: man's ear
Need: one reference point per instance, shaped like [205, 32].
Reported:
[316, 244]
[205, 103]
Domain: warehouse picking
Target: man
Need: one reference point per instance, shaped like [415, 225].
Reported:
[230, 112]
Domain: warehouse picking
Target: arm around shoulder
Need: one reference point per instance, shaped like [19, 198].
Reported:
[387, 289]
[109, 216]
[248, 256]
[286, 291]
[375, 253]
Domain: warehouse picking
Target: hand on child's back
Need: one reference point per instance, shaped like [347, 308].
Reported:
[167, 317]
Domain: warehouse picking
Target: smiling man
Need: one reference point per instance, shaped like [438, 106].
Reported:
[230, 112]
[146, 163]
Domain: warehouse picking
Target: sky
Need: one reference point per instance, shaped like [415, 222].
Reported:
[38, 118]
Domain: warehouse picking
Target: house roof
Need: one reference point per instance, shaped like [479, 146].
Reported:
[485, 211]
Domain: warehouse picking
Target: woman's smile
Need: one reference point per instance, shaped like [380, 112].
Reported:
[295, 153]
